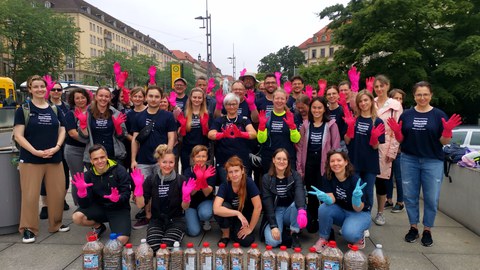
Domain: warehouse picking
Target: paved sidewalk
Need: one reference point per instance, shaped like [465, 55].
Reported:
[455, 247]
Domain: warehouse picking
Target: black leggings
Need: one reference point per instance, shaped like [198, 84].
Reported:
[313, 178]
[381, 186]
[234, 224]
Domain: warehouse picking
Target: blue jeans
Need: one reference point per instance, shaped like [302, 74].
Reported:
[368, 178]
[353, 223]
[427, 174]
[283, 215]
[397, 174]
[204, 212]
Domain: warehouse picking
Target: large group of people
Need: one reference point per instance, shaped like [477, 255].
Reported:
[306, 159]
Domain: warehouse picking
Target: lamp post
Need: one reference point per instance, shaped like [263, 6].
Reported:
[233, 62]
[207, 24]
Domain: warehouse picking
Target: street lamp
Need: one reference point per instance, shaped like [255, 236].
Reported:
[207, 24]
[233, 62]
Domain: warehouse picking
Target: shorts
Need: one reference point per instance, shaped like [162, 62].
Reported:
[118, 219]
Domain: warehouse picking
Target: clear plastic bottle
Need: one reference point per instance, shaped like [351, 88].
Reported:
[313, 259]
[92, 254]
[378, 260]
[190, 256]
[332, 257]
[355, 259]
[283, 259]
[112, 254]
[144, 256]
[176, 262]
[128, 257]
[298, 260]
[163, 258]
[254, 258]
[236, 257]
[269, 260]
[221, 258]
[206, 257]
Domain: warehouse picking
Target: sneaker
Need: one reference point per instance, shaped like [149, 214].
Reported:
[388, 204]
[141, 214]
[366, 233]
[64, 228]
[320, 245]
[295, 241]
[379, 219]
[412, 235]
[207, 226]
[427, 240]
[398, 208]
[44, 213]
[100, 230]
[141, 223]
[65, 206]
[28, 236]
[361, 243]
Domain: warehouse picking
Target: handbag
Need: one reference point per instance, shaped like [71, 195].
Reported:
[145, 132]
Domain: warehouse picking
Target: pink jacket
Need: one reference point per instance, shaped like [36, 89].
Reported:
[391, 108]
[330, 140]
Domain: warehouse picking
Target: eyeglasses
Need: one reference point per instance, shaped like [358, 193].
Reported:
[231, 104]
[270, 82]
[56, 90]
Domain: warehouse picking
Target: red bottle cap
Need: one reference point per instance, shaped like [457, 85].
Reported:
[269, 247]
[236, 245]
[221, 245]
[283, 248]
[332, 244]
[129, 245]
[254, 245]
[163, 246]
[190, 245]
[206, 244]
[92, 238]
[297, 250]
[313, 249]
[353, 247]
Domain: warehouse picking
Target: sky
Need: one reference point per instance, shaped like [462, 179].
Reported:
[254, 28]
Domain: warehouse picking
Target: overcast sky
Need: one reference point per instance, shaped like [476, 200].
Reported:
[257, 28]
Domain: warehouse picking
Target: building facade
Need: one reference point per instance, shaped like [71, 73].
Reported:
[319, 47]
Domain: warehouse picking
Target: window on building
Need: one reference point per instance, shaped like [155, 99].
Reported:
[322, 52]
[70, 63]
[331, 51]
[91, 26]
[91, 52]
[314, 53]
[306, 55]
[70, 77]
[324, 38]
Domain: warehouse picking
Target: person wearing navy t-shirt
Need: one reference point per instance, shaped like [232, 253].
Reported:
[179, 86]
[266, 103]
[137, 97]
[162, 132]
[40, 132]
[344, 202]
[247, 107]
[336, 111]
[368, 133]
[302, 106]
[422, 131]
[237, 206]
[297, 87]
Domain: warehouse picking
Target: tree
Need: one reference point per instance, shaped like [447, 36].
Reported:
[290, 58]
[269, 63]
[409, 41]
[325, 70]
[37, 39]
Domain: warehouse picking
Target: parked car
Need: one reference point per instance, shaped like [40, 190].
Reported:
[467, 136]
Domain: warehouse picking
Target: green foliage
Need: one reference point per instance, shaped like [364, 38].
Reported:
[37, 39]
[325, 70]
[285, 61]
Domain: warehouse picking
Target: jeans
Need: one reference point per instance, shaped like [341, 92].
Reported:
[368, 178]
[427, 174]
[203, 212]
[353, 223]
[397, 174]
[148, 169]
[74, 159]
[283, 215]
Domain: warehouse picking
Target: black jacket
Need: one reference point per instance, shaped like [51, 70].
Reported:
[174, 208]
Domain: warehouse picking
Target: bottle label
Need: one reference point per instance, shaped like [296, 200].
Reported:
[90, 261]
[236, 264]
[283, 266]
[295, 266]
[333, 265]
[219, 264]
[267, 265]
[161, 264]
[208, 263]
[252, 264]
[312, 266]
[190, 263]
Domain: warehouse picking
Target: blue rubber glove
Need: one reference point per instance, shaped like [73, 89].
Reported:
[322, 196]
[357, 193]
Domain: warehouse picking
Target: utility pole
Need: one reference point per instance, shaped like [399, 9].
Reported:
[207, 24]
[233, 62]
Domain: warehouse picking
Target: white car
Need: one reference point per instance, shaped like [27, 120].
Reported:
[467, 136]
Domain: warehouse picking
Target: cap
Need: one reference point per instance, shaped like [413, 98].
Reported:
[180, 79]
[248, 74]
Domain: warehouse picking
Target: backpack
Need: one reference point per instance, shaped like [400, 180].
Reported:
[453, 154]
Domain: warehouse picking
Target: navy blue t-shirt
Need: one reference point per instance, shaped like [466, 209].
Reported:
[182, 102]
[278, 137]
[226, 147]
[315, 138]
[338, 115]
[342, 191]
[195, 135]
[131, 116]
[102, 133]
[282, 189]
[364, 158]
[422, 132]
[242, 111]
[163, 123]
[225, 191]
[298, 120]
[263, 104]
[199, 197]
[41, 132]
[291, 103]
[71, 123]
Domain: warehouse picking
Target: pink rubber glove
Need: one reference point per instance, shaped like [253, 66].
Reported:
[187, 188]
[114, 196]
[262, 120]
[152, 71]
[369, 83]
[229, 132]
[79, 181]
[240, 134]
[82, 118]
[287, 86]
[204, 124]
[309, 91]
[126, 95]
[183, 124]
[116, 70]
[243, 72]
[219, 98]
[202, 174]
[322, 85]
[117, 122]
[342, 101]
[302, 218]
[138, 179]
[250, 99]
[122, 79]
[50, 84]
[354, 78]
[90, 94]
[219, 135]
[350, 121]
[396, 128]
[211, 85]
[376, 132]
[290, 120]
[449, 125]
[278, 75]
[172, 99]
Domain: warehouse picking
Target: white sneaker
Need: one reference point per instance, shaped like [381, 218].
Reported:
[361, 243]
[207, 226]
[366, 233]
[379, 219]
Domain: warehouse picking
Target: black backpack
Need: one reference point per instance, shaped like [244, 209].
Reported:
[453, 154]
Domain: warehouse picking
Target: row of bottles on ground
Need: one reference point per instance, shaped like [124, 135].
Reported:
[114, 256]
